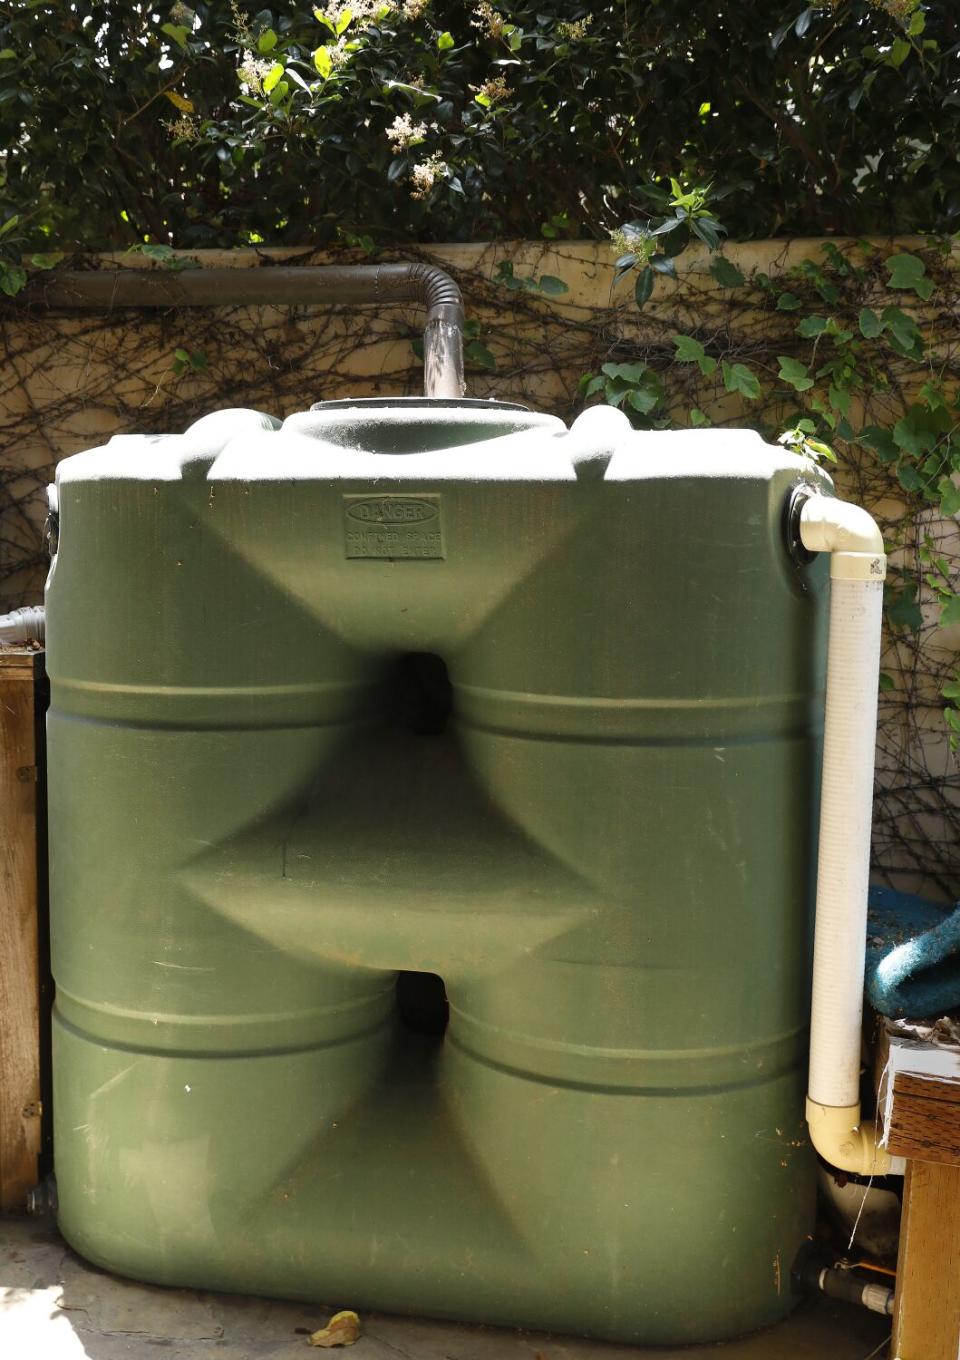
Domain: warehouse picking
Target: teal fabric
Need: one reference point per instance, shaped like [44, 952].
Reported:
[913, 956]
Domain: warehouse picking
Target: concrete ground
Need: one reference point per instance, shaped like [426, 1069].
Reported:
[54, 1307]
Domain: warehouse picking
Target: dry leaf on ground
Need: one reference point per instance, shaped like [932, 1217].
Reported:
[343, 1329]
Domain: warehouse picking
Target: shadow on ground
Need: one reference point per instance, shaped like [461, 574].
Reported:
[54, 1306]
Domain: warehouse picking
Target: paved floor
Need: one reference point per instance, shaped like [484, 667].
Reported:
[53, 1307]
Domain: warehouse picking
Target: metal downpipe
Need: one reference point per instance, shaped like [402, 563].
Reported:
[276, 285]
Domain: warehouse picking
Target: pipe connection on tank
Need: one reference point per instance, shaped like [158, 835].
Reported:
[324, 285]
[857, 571]
[23, 625]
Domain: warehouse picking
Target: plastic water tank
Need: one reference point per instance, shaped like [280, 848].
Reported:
[414, 708]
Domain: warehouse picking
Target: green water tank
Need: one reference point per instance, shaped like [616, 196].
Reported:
[414, 708]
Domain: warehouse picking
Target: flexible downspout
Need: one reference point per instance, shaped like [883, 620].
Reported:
[326, 285]
[857, 572]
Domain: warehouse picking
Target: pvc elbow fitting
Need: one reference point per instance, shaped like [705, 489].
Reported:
[847, 1144]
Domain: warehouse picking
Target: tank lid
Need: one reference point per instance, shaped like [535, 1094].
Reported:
[416, 424]
[430, 403]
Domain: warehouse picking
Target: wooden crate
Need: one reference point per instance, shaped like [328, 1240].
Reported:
[21, 841]
[920, 1098]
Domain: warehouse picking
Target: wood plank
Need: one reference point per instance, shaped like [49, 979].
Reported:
[20, 1099]
[924, 1119]
[926, 1323]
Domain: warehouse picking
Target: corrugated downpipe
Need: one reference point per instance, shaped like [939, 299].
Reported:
[276, 285]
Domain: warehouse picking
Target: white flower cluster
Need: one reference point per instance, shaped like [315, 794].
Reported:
[366, 11]
[338, 54]
[186, 128]
[627, 240]
[490, 20]
[361, 11]
[576, 31]
[426, 174]
[404, 132]
[252, 72]
[493, 89]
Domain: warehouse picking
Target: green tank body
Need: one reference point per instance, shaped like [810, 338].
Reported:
[416, 688]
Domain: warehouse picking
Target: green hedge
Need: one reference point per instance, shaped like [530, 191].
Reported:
[379, 121]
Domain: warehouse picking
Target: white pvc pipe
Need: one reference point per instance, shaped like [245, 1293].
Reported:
[22, 625]
[846, 805]
[857, 572]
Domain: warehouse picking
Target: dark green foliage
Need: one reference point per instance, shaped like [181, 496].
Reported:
[124, 121]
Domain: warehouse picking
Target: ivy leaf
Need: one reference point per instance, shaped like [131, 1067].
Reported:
[881, 441]
[644, 399]
[904, 333]
[589, 384]
[688, 350]
[643, 286]
[478, 353]
[697, 417]
[909, 478]
[870, 324]
[12, 278]
[951, 689]
[949, 498]
[950, 613]
[795, 373]
[812, 326]
[909, 272]
[903, 610]
[886, 681]
[916, 433]
[552, 286]
[49, 260]
[739, 378]
[629, 373]
[788, 302]
[726, 274]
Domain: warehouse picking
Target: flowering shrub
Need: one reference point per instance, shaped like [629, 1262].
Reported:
[123, 121]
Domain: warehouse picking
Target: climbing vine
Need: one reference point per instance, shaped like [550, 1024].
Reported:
[864, 384]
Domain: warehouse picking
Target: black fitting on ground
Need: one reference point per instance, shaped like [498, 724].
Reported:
[813, 1274]
[279, 285]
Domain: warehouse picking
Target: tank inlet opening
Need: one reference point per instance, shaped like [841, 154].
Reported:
[420, 693]
[422, 1005]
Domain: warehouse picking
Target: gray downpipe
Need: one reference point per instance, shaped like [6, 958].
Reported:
[276, 285]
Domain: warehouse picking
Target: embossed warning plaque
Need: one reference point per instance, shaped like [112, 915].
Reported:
[392, 526]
